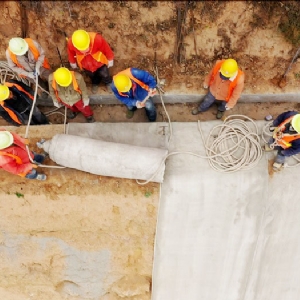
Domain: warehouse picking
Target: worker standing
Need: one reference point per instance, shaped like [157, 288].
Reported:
[14, 156]
[26, 57]
[16, 100]
[226, 83]
[69, 89]
[135, 89]
[91, 52]
[286, 137]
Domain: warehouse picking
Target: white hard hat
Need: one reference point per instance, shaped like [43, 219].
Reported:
[18, 46]
[6, 139]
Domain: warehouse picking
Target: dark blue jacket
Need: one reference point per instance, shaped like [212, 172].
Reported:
[136, 93]
[295, 148]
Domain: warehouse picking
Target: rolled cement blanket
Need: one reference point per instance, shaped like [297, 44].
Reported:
[106, 158]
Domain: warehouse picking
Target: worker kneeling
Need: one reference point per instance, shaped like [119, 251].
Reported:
[14, 156]
[16, 99]
[69, 89]
[135, 88]
[286, 137]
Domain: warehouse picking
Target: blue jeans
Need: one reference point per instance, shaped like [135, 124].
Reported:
[150, 110]
[209, 100]
[39, 159]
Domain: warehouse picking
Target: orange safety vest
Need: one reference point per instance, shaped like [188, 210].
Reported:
[34, 51]
[128, 73]
[75, 86]
[284, 140]
[98, 56]
[8, 110]
[232, 83]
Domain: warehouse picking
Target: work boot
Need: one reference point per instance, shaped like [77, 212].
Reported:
[220, 114]
[129, 114]
[72, 115]
[41, 177]
[196, 111]
[267, 148]
[90, 119]
[95, 88]
[277, 166]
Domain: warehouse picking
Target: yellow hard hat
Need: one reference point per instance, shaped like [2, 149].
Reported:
[81, 39]
[6, 139]
[122, 83]
[296, 122]
[63, 76]
[229, 68]
[4, 92]
[18, 46]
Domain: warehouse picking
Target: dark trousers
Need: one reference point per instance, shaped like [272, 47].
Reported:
[100, 75]
[209, 100]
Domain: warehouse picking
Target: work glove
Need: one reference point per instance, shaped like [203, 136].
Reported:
[205, 86]
[226, 107]
[152, 92]
[57, 104]
[110, 63]
[140, 104]
[272, 128]
[73, 65]
[38, 68]
[31, 75]
[86, 102]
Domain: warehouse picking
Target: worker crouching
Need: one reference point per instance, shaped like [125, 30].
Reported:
[135, 89]
[16, 100]
[226, 83]
[286, 137]
[14, 156]
[69, 89]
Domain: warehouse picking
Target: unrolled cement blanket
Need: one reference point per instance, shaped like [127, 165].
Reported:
[106, 158]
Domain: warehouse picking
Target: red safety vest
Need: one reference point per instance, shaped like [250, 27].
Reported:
[284, 139]
[8, 110]
[232, 83]
[98, 56]
[75, 86]
[128, 73]
[34, 51]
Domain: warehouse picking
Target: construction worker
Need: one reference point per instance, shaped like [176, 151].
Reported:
[27, 58]
[226, 83]
[135, 88]
[286, 137]
[69, 89]
[14, 156]
[91, 52]
[16, 99]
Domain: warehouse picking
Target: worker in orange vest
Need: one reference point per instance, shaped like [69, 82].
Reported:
[14, 156]
[16, 99]
[91, 52]
[27, 58]
[285, 138]
[69, 89]
[226, 83]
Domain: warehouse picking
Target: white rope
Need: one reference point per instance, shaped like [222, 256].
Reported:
[230, 147]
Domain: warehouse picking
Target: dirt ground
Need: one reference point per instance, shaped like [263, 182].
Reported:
[43, 224]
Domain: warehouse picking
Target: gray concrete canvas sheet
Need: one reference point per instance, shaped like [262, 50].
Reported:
[225, 236]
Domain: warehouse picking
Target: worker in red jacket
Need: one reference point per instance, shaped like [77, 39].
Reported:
[91, 52]
[14, 156]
